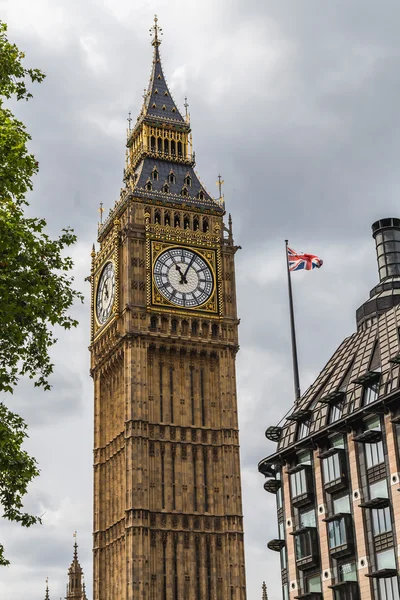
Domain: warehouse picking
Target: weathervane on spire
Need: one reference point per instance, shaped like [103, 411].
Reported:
[156, 32]
[129, 119]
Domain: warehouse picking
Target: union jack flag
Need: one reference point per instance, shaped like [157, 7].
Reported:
[299, 260]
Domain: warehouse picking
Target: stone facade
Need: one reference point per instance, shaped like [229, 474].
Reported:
[167, 491]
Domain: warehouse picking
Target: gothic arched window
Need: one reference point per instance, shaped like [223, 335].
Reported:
[177, 220]
[166, 146]
[196, 223]
[184, 192]
[159, 144]
[171, 177]
[153, 143]
[149, 187]
[173, 148]
[214, 330]
[167, 217]
[188, 180]
[153, 322]
[157, 216]
[165, 188]
[154, 173]
[205, 224]
[186, 222]
[179, 148]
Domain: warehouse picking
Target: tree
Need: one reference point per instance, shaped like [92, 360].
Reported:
[36, 288]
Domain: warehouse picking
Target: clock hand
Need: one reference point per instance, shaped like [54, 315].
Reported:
[183, 278]
[188, 267]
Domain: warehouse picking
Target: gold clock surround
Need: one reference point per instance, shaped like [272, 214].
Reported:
[108, 253]
[206, 245]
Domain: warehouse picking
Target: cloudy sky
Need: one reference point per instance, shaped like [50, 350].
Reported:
[296, 104]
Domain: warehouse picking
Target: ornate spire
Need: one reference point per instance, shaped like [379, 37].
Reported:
[264, 591]
[156, 32]
[76, 586]
[47, 597]
[158, 101]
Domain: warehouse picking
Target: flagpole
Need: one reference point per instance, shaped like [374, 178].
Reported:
[293, 332]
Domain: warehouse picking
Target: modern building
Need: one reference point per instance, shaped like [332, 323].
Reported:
[336, 468]
[167, 491]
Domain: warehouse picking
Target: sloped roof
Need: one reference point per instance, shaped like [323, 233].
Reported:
[144, 173]
[158, 101]
[356, 353]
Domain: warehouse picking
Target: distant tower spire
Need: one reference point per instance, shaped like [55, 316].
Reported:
[47, 597]
[76, 587]
[264, 591]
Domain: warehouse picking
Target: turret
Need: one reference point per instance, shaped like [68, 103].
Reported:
[76, 586]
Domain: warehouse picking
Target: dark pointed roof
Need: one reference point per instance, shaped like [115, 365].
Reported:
[196, 193]
[158, 100]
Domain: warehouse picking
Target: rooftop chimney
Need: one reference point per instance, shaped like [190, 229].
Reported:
[385, 295]
[386, 233]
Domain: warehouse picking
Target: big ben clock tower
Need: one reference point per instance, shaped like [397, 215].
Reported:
[167, 495]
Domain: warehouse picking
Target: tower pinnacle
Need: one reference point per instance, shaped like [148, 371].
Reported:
[264, 591]
[47, 597]
[156, 32]
[76, 586]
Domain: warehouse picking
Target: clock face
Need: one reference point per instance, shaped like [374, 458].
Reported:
[105, 293]
[183, 277]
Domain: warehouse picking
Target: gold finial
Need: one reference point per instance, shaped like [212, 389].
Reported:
[101, 210]
[156, 31]
[129, 119]
[220, 183]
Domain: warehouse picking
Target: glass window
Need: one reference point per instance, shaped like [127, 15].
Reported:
[298, 483]
[348, 571]
[386, 559]
[337, 441]
[313, 583]
[337, 533]
[303, 430]
[336, 411]
[279, 499]
[389, 588]
[379, 489]
[382, 520]
[285, 591]
[374, 423]
[283, 558]
[307, 519]
[281, 530]
[341, 505]
[371, 392]
[304, 458]
[374, 452]
[332, 468]
[302, 546]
